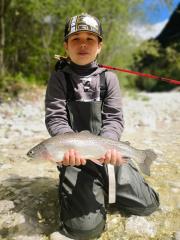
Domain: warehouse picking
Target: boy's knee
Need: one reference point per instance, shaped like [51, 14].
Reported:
[85, 227]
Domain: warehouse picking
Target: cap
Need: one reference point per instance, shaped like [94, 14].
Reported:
[83, 22]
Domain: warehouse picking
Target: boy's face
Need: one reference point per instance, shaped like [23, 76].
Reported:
[83, 47]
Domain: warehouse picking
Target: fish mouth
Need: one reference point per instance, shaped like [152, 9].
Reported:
[30, 153]
[31, 156]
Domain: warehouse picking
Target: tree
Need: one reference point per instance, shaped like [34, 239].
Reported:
[3, 9]
[34, 32]
[160, 56]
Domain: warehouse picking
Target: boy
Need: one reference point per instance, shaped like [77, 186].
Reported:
[82, 96]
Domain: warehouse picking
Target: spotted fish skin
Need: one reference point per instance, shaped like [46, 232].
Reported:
[91, 147]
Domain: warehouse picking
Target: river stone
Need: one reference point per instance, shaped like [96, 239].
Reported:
[23, 237]
[11, 220]
[6, 205]
[58, 236]
[136, 225]
[177, 235]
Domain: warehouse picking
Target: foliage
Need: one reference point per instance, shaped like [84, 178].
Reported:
[11, 85]
[152, 58]
[34, 34]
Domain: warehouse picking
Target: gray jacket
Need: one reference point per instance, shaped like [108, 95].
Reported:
[86, 84]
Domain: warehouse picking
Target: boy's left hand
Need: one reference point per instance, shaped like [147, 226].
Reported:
[113, 157]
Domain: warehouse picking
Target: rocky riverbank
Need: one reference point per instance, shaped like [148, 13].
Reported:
[28, 192]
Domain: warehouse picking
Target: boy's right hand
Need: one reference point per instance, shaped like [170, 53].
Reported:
[73, 158]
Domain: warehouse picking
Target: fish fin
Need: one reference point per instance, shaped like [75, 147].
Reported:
[150, 157]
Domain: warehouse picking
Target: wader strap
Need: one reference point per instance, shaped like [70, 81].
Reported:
[62, 171]
[110, 168]
[112, 183]
[70, 89]
[103, 86]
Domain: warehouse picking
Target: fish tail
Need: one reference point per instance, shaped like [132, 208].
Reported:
[150, 157]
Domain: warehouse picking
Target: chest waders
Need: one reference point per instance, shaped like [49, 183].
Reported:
[82, 189]
[87, 116]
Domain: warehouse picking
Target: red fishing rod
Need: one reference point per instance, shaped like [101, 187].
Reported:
[168, 80]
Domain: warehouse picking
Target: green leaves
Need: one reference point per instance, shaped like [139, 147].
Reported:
[34, 32]
[152, 58]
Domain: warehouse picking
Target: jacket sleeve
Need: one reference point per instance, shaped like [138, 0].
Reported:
[112, 113]
[56, 116]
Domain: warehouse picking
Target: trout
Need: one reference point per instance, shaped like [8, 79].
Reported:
[90, 147]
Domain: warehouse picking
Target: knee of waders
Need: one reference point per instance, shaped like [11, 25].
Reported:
[85, 227]
[137, 208]
[150, 209]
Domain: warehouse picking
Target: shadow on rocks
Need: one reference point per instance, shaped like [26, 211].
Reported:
[28, 206]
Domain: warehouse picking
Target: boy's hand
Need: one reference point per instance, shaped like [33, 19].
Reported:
[113, 157]
[73, 158]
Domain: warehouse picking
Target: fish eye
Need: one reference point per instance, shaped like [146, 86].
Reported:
[30, 153]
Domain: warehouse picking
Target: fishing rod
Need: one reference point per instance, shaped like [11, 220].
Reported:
[168, 80]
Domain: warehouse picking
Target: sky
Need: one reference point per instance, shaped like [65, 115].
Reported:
[156, 19]
[158, 12]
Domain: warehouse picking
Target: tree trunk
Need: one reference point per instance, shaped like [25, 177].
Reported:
[4, 4]
[2, 36]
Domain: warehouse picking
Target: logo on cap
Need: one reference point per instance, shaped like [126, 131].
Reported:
[83, 22]
[80, 23]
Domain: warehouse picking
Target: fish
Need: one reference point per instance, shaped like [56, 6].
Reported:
[91, 147]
